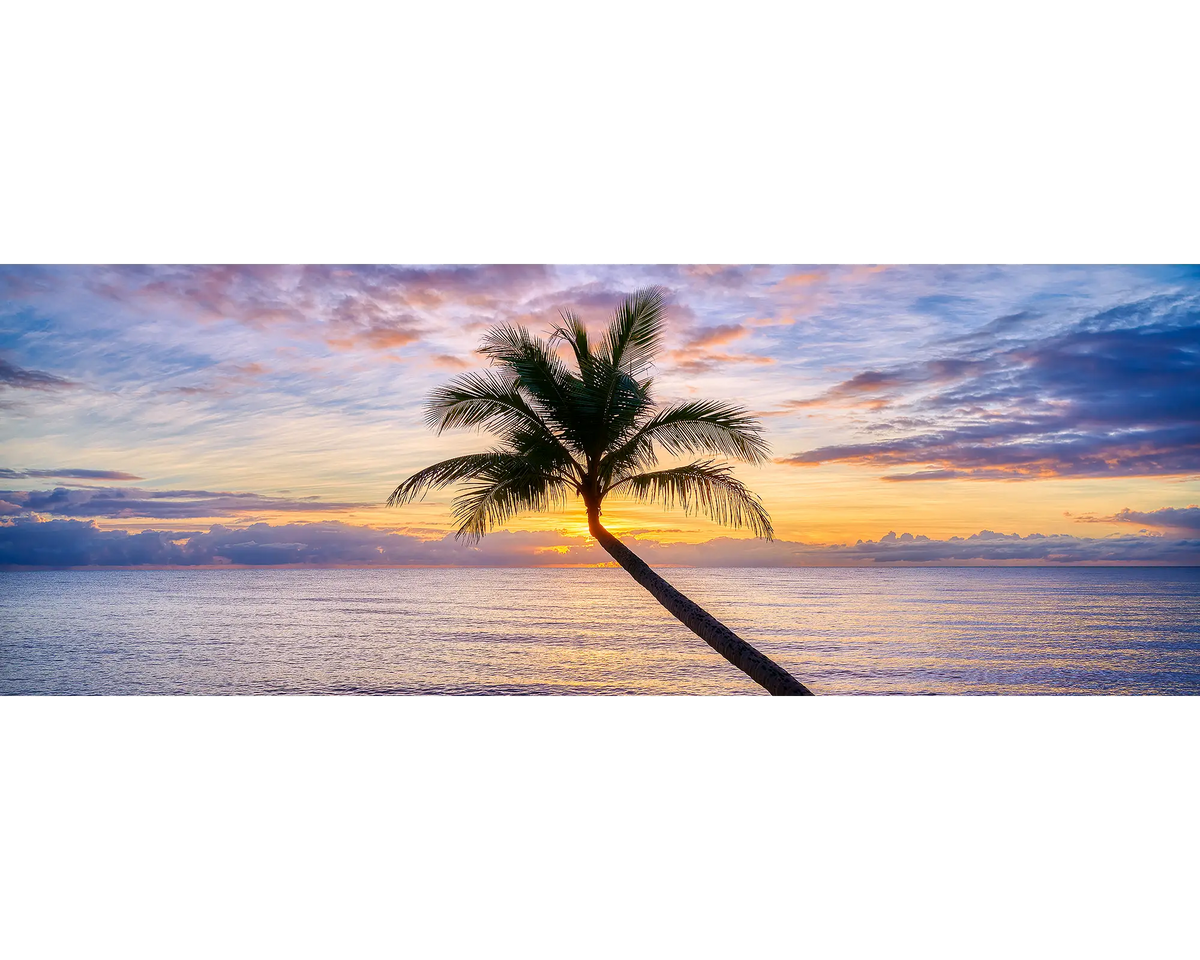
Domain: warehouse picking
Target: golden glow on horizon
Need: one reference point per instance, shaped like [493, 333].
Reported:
[827, 504]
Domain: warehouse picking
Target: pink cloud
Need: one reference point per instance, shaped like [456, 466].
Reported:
[716, 336]
[687, 362]
[448, 362]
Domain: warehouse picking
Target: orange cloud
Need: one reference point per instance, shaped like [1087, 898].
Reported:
[800, 280]
[716, 336]
[383, 337]
[689, 363]
[448, 362]
[864, 403]
[781, 321]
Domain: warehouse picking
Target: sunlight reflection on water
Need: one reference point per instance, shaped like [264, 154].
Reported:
[1027, 630]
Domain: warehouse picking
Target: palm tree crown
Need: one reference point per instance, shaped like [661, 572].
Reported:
[587, 426]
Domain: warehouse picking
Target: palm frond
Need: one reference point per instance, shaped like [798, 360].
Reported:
[542, 376]
[691, 427]
[629, 403]
[572, 332]
[700, 488]
[503, 493]
[530, 358]
[611, 398]
[489, 400]
[445, 474]
[554, 460]
[636, 332]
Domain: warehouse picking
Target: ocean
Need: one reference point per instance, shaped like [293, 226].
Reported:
[1097, 630]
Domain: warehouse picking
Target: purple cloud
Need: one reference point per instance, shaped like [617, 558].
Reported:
[1115, 394]
[125, 503]
[1167, 518]
[878, 388]
[67, 473]
[69, 542]
[21, 379]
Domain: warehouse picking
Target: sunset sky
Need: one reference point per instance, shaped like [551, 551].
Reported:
[263, 414]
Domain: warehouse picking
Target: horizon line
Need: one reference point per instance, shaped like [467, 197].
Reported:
[611, 565]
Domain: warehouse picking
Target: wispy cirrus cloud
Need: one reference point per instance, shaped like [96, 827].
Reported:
[346, 307]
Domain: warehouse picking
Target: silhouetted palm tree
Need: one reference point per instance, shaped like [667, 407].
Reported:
[593, 430]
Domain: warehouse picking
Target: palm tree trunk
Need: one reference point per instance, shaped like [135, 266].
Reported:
[756, 665]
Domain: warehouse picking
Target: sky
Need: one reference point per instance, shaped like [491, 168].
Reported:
[917, 414]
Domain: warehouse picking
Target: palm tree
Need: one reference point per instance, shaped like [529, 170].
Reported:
[593, 430]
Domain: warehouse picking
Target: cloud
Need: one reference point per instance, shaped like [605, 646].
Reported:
[695, 353]
[69, 542]
[927, 475]
[593, 301]
[126, 503]
[722, 276]
[1166, 518]
[373, 297]
[360, 322]
[367, 308]
[1022, 451]
[226, 379]
[69, 473]
[715, 336]
[19, 378]
[991, 547]
[450, 362]
[1116, 393]
[804, 279]
[999, 326]
[688, 362]
[877, 388]
[984, 548]
[28, 542]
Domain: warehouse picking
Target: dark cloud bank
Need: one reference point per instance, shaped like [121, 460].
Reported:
[30, 542]
[1116, 393]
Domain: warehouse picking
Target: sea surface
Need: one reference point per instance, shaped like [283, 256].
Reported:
[595, 631]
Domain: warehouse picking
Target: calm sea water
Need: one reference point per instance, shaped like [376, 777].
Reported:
[916, 631]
